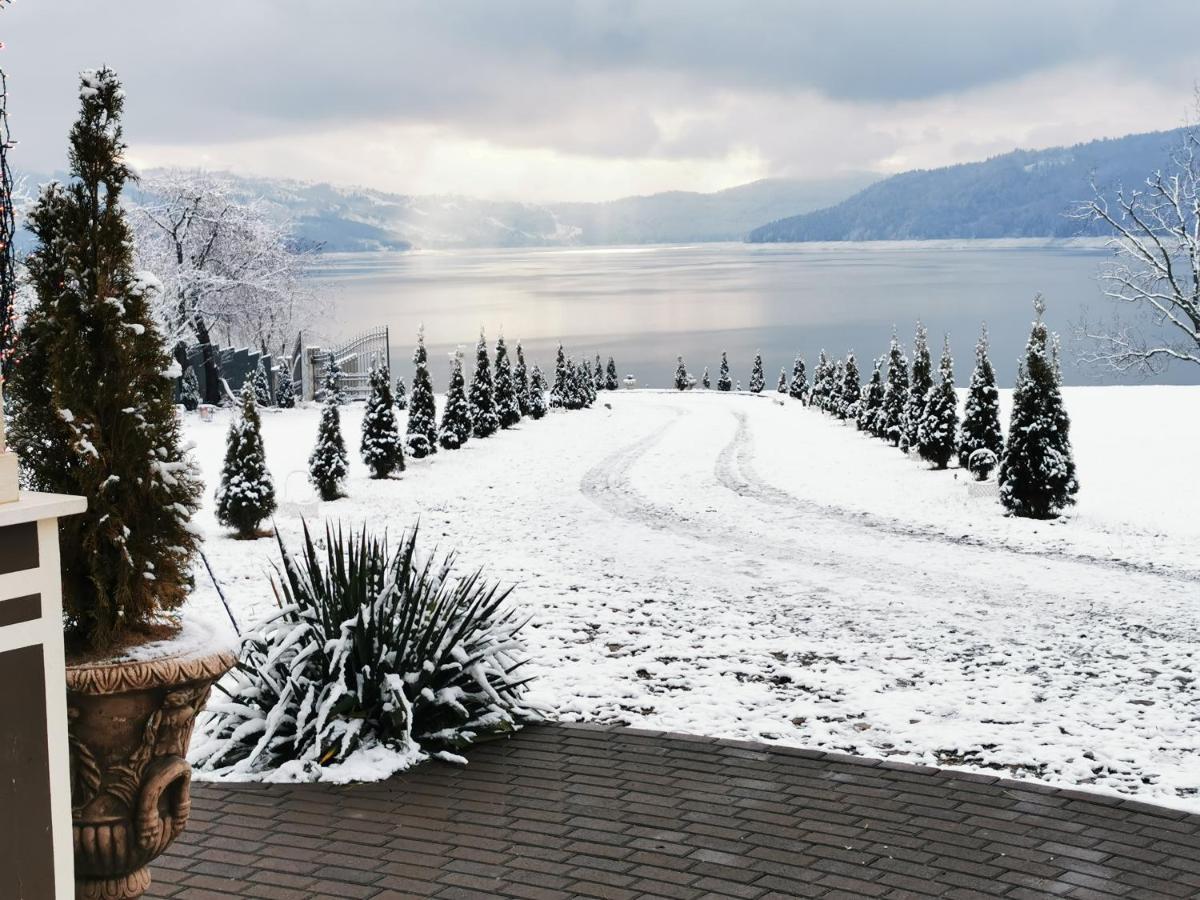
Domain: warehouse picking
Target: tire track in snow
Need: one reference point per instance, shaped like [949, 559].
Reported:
[735, 471]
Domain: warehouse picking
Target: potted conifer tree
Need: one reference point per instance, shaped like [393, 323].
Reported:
[94, 416]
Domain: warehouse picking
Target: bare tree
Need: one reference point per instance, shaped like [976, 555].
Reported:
[227, 265]
[1155, 275]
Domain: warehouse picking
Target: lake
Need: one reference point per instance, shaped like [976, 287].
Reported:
[646, 305]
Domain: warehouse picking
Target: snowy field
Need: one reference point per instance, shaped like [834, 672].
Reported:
[729, 566]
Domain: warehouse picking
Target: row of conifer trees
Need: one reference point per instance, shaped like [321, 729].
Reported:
[498, 398]
[911, 409]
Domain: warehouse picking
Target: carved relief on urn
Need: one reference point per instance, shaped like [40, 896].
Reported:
[130, 724]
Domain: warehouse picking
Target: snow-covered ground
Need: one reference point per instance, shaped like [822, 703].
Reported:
[726, 565]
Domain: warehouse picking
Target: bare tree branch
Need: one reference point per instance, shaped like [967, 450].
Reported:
[1156, 268]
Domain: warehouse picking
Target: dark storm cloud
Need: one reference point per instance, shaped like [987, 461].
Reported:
[570, 76]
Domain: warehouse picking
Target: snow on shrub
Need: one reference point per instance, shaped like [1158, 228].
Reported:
[371, 648]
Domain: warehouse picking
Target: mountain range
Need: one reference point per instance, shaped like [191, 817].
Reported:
[356, 219]
[1025, 193]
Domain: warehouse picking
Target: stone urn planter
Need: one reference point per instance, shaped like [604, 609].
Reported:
[130, 722]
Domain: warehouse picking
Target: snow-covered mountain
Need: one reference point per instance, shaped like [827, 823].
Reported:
[355, 218]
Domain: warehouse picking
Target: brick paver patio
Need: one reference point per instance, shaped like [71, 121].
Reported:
[574, 811]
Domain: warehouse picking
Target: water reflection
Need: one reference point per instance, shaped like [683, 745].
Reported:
[647, 305]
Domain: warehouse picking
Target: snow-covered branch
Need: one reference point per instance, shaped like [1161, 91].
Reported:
[227, 262]
[1156, 268]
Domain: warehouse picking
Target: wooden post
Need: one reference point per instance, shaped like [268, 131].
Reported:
[36, 855]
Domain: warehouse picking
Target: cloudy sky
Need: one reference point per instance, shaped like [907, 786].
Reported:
[560, 100]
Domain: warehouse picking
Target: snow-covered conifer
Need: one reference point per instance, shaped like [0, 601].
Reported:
[285, 391]
[560, 393]
[1037, 471]
[937, 432]
[681, 374]
[262, 386]
[981, 417]
[331, 385]
[920, 383]
[833, 392]
[482, 397]
[587, 383]
[508, 408]
[758, 378]
[821, 384]
[246, 494]
[328, 462]
[610, 376]
[521, 381]
[189, 390]
[401, 393]
[456, 417]
[382, 450]
[895, 394]
[872, 403]
[93, 411]
[799, 386]
[723, 382]
[706, 382]
[782, 386]
[598, 380]
[422, 408]
[537, 392]
[850, 390]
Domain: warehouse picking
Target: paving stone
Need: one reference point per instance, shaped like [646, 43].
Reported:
[564, 811]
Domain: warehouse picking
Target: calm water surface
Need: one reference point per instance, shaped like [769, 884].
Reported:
[647, 305]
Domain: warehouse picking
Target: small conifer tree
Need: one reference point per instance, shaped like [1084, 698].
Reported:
[610, 376]
[981, 417]
[598, 380]
[868, 413]
[482, 397]
[937, 432]
[895, 394]
[537, 392]
[758, 378]
[849, 390]
[246, 494]
[382, 450]
[521, 381]
[1037, 471]
[681, 375]
[508, 408]
[189, 391]
[587, 383]
[706, 382]
[821, 376]
[331, 385]
[833, 390]
[782, 386]
[456, 417]
[401, 394]
[920, 383]
[328, 462]
[93, 411]
[723, 382]
[262, 385]
[559, 394]
[285, 391]
[422, 408]
[799, 386]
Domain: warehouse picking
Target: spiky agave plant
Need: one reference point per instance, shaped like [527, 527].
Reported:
[369, 646]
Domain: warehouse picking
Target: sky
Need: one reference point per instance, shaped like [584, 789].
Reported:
[546, 100]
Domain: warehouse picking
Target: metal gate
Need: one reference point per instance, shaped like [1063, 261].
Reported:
[356, 358]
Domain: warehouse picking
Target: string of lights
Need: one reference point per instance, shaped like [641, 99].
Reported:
[8, 227]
